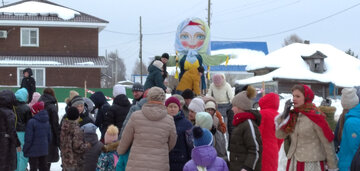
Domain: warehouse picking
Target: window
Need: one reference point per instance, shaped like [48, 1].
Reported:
[29, 37]
[38, 75]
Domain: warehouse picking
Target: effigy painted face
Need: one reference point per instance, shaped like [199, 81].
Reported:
[192, 37]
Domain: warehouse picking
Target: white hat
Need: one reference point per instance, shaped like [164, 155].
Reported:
[210, 105]
[197, 105]
[158, 64]
[349, 99]
[118, 89]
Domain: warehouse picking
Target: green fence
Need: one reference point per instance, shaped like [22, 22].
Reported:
[62, 93]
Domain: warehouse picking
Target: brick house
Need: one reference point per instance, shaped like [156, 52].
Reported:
[59, 44]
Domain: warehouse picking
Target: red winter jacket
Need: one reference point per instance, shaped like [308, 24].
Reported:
[269, 105]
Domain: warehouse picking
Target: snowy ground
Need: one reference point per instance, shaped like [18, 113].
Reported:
[282, 157]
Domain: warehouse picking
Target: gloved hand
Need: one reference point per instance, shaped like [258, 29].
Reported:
[287, 108]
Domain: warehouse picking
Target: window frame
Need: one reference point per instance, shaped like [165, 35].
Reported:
[30, 29]
[34, 75]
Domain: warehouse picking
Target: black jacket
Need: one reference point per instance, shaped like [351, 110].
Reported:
[103, 106]
[91, 155]
[117, 112]
[8, 137]
[51, 107]
[29, 84]
[23, 115]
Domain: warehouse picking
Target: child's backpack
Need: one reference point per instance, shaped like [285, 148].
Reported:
[107, 161]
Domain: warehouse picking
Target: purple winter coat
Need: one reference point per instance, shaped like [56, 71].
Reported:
[205, 156]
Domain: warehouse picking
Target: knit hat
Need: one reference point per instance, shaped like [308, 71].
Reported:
[210, 105]
[202, 136]
[197, 105]
[77, 100]
[180, 98]
[243, 99]
[172, 100]
[158, 64]
[72, 113]
[349, 99]
[187, 94]
[204, 120]
[156, 94]
[89, 128]
[111, 134]
[21, 95]
[165, 55]
[35, 98]
[118, 89]
[218, 80]
[37, 107]
[137, 87]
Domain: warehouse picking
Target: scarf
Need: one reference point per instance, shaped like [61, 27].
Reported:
[241, 117]
[314, 114]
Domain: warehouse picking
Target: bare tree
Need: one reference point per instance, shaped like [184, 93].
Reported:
[136, 69]
[292, 39]
[115, 72]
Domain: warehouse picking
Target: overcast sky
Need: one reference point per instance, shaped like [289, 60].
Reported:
[320, 21]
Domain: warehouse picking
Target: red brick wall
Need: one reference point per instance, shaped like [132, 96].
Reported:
[53, 41]
[73, 77]
[8, 76]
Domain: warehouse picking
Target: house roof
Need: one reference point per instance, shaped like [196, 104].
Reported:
[46, 13]
[53, 61]
[341, 67]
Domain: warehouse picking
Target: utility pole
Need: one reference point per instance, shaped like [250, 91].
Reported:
[116, 67]
[209, 12]
[3, 2]
[140, 54]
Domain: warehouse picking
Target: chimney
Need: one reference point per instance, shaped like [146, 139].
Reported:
[307, 42]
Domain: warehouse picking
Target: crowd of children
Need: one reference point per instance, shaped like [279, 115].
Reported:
[182, 132]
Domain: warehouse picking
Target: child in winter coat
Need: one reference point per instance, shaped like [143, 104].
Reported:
[196, 105]
[92, 154]
[109, 157]
[246, 144]
[37, 138]
[204, 155]
[180, 154]
[72, 143]
[23, 115]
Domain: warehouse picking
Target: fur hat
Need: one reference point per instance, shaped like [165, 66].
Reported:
[158, 64]
[156, 94]
[118, 89]
[37, 107]
[204, 120]
[89, 128]
[72, 113]
[165, 55]
[172, 100]
[72, 94]
[35, 98]
[210, 105]
[111, 134]
[22, 95]
[197, 105]
[243, 99]
[180, 98]
[218, 79]
[187, 94]
[137, 87]
[77, 100]
[202, 136]
[349, 99]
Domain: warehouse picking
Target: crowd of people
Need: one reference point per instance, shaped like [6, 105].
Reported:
[218, 131]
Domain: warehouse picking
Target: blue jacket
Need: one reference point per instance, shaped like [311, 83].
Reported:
[350, 140]
[181, 153]
[37, 135]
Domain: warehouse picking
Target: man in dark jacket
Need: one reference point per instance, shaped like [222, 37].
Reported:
[154, 78]
[29, 83]
[138, 92]
[103, 106]
[164, 59]
[117, 112]
[8, 138]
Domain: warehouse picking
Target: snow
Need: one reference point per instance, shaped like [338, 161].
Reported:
[85, 63]
[339, 65]
[44, 9]
[20, 62]
[282, 157]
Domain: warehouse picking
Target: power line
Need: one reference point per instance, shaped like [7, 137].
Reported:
[136, 34]
[295, 28]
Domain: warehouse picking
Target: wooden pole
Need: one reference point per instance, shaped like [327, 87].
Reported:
[140, 54]
[209, 12]
[263, 87]
[85, 88]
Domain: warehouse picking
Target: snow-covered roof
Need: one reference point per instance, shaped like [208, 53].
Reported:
[46, 13]
[53, 61]
[340, 67]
